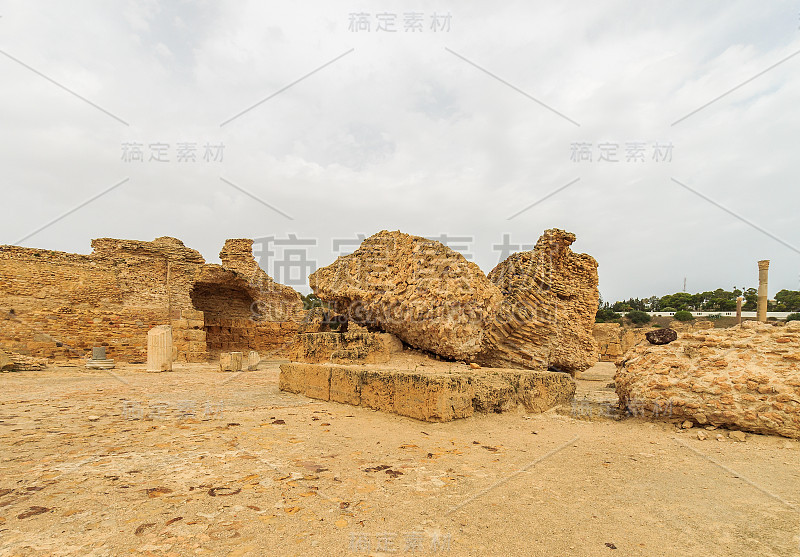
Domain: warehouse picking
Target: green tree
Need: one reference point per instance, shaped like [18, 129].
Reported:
[787, 300]
[793, 317]
[683, 316]
[638, 317]
[750, 299]
[606, 315]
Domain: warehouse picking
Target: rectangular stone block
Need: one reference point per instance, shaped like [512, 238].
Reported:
[291, 378]
[159, 348]
[197, 335]
[313, 381]
[432, 397]
[377, 390]
[179, 324]
[230, 361]
[253, 359]
[191, 314]
[318, 382]
[346, 385]
[195, 346]
[195, 323]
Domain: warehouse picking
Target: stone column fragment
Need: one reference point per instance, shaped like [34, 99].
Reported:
[739, 310]
[159, 348]
[763, 273]
[230, 361]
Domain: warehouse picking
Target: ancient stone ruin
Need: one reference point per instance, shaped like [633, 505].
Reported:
[746, 377]
[432, 396]
[546, 316]
[423, 292]
[59, 305]
[535, 310]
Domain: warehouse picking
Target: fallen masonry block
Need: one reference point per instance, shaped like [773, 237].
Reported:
[429, 396]
[345, 348]
[253, 359]
[230, 361]
[159, 348]
[746, 378]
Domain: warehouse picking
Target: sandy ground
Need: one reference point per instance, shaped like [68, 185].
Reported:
[198, 462]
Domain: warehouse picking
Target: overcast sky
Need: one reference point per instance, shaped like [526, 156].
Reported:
[462, 122]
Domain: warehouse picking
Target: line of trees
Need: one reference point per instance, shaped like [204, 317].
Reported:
[718, 300]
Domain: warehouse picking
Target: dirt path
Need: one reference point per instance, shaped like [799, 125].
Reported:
[197, 462]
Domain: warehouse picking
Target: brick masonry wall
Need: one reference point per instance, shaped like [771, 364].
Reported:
[59, 305]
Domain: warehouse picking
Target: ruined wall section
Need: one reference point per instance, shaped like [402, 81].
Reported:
[746, 377]
[264, 315]
[546, 317]
[58, 305]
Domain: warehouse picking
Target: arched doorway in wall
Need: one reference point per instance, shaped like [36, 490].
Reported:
[227, 309]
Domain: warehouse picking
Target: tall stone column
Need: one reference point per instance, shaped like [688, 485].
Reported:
[159, 348]
[738, 310]
[763, 272]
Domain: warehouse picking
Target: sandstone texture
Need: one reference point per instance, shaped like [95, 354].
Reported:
[345, 348]
[746, 377]
[614, 340]
[661, 336]
[423, 292]
[535, 310]
[19, 362]
[58, 305]
[432, 396]
[546, 317]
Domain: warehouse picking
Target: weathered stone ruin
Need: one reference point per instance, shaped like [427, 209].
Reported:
[429, 395]
[534, 311]
[59, 305]
[613, 340]
[546, 316]
[423, 292]
[345, 348]
[746, 377]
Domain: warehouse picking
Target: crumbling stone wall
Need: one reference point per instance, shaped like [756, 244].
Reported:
[58, 305]
[546, 317]
[746, 377]
[535, 310]
[613, 340]
[423, 292]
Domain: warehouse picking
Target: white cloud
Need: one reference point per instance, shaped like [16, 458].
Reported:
[400, 133]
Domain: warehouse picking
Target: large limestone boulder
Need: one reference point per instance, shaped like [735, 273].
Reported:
[423, 292]
[746, 377]
[546, 317]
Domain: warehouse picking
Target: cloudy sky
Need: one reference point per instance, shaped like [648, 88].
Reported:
[663, 134]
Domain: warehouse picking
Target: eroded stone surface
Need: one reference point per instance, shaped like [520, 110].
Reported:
[661, 336]
[432, 396]
[428, 295]
[547, 313]
[747, 377]
[344, 348]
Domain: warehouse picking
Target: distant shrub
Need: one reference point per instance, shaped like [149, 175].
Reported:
[606, 316]
[772, 318]
[714, 317]
[793, 317]
[683, 315]
[638, 317]
[669, 309]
